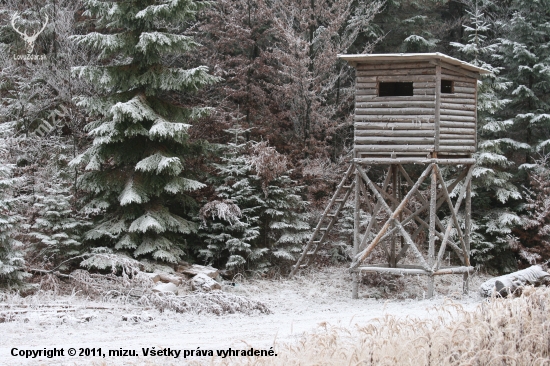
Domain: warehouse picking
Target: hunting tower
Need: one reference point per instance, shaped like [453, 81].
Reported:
[415, 121]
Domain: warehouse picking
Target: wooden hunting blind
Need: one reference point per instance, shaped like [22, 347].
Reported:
[415, 118]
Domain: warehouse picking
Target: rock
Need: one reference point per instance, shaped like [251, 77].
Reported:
[168, 278]
[202, 282]
[507, 284]
[166, 287]
[196, 269]
[155, 277]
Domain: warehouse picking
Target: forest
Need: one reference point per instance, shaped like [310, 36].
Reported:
[214, 132]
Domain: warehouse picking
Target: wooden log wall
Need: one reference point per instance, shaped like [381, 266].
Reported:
[407, 125]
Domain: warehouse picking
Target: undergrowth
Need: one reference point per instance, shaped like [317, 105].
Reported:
[501, 331]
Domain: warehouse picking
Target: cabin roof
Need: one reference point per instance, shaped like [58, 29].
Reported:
[409, 57]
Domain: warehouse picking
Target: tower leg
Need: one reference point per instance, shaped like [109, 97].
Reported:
[467, 230]
[356, 238]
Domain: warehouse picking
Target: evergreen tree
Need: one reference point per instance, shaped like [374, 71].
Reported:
[11, 254]
[230, 239]
[272, 223]
[135, 171]
[525, 53]
[493, 186]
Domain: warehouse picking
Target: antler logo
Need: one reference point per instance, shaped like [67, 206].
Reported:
[28, 39]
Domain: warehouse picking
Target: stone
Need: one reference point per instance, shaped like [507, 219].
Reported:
[196, 269]
[166, 287]
[202, 282]
[155, 277]
[168, 278]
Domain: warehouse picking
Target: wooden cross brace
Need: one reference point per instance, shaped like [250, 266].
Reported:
[433, 264]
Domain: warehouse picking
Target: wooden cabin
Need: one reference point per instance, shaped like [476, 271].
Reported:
[414, 105]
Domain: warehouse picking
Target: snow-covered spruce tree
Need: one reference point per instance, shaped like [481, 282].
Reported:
[493, 186]
[283, 217]
[524, 53]
[230, 238]
[58, 226]
[11, 256]
[272, 223]
[135, 172]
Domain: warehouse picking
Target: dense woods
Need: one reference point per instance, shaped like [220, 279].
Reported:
[215, 132]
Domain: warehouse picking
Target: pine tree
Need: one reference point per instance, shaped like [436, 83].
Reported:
[135, 172]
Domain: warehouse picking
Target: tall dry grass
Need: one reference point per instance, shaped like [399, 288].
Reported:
[500, 332]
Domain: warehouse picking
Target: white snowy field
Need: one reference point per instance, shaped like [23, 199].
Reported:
[298, 306]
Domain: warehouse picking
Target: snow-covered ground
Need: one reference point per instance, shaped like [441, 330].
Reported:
[298, 306]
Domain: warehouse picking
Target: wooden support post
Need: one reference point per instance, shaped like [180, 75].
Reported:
[356, 239]
[467, 230]
[431, 237]
[393, 206]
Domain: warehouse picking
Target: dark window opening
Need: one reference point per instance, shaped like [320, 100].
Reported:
[447, 86]
[395, 89]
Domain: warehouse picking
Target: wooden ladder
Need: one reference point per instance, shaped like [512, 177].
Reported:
[327, 220]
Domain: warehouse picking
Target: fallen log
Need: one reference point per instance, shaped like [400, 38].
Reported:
[514, 282]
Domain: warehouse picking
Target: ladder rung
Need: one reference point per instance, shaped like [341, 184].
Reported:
[316, 241]
[346, 187]
[310, 253]
[324, 229]
[339, 200]
[331, 215]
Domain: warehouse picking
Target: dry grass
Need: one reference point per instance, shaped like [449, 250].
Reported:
[500, 332]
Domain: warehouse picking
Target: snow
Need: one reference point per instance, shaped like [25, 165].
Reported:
[298, 306]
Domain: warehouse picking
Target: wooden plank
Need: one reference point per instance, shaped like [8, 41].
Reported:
[457, 137]
[393, 65]
[415, 160]
[406, 78]
[466, 84]
[461, 95]
[464, 90]
[409, 125]
[396, 104]
[396, 133]
[458, 131]
[413, 271]
[365, 98]
[462, 79]
[397, 72]
[366, 92]
[463, 142]
[456, 124]
[453, 119]
[457, 149]
[400, 111]
[460, 70]
[456, 112]
[365, 79]
[394, 139]
[359, 86]
[458, 106]
[396, 148]
[424, 91]
[414, 98]
[424, 84]
[450, 98]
